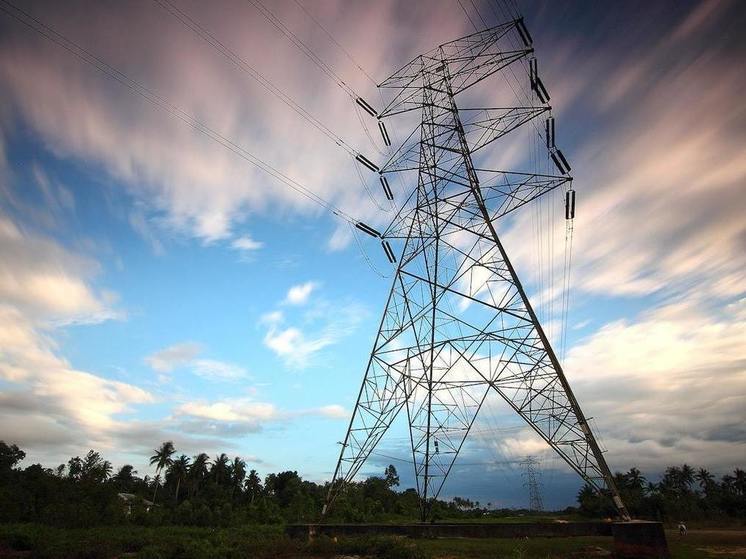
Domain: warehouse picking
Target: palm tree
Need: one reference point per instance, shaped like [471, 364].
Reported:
[161, 458]
[179, 470]
[687, 476]
[198, 471]
[125, 476]
[705, 479]
[219, 469]
[105, 469]
[635, 479]
[253, 485]
[238, 473]
[740, 481]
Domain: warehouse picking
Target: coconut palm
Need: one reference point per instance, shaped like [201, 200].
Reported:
[253, 485]
[635, 479]
[198, 471]
[219, 470]
[179, 470]
[238, 473]
[161, 458]
[705, 479]
[739, 482]
[687, 476]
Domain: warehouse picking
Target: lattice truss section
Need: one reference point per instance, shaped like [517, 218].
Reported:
[457, 324]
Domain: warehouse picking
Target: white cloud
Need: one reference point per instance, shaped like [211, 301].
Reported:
[171, 357]
[231, 410]
[246, 244]
[660, 199]
[184, 355]
[256, 414]
[668, 386]
[299, 294]
[220, 370]
[188, 182]
[49, 281]
[333, 411]
[323, 325]
[49, 402]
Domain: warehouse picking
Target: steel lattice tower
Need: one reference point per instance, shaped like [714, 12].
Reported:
[458, 324]
[531, 481]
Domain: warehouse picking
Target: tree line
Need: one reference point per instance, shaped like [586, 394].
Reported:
[221, 491]
[683, 493]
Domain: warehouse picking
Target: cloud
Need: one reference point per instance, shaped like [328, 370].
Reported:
[171, 357]
[246, 244]
[299, 294]
[188, 182]
[49, 281]
[248, 415]
[321, 325]
[233, 410]
[660, 186]
[218, 370]
[333, 411]
[667, 387]
[184, 355]
[47, 399]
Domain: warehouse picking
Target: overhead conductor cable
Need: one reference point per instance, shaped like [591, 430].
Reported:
[160, 102]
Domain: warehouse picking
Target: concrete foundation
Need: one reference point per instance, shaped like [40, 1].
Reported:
[632, 540]
[639, 539]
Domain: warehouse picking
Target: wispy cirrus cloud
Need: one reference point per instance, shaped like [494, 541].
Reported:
[171, 357]
[320, 325]
[251, 413]
[185, 355]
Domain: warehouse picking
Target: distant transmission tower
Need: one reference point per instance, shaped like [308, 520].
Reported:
[531, 481]
[458, 324]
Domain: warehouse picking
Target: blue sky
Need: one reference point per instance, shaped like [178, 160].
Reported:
[155, 286]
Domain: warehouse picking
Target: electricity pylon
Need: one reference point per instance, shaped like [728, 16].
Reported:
[531, 481]
[458, 324]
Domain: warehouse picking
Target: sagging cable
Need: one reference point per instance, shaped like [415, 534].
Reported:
[523, 32]
[570, 204]
[384, 133]
[368, 230]
[366, 107]
[367, 162]
[389, 252]
[386, 188]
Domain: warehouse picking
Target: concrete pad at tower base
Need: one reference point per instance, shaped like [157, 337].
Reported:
[639, 539]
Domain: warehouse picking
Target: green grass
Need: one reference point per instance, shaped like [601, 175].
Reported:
[534, 548]
[173, 542]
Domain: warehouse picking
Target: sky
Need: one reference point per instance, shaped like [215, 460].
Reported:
[156, 286]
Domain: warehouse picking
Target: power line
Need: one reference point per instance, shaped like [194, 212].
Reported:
[161, 103]
[252, 72]
[305, 49]
[474, 25]
[479, 14]
[333, 40]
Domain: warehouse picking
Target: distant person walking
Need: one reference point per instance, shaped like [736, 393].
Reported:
[682, 528]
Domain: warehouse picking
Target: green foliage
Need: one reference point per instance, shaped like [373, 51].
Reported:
[681, 494]
[195, 492]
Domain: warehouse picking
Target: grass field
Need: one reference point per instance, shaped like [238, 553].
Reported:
[32, 541]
